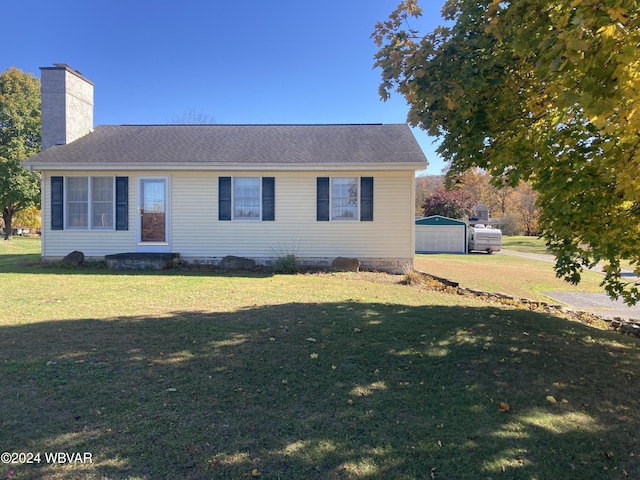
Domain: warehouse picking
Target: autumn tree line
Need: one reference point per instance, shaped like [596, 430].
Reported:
[516, 207]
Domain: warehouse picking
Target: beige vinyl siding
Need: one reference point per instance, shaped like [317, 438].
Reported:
[196, 232]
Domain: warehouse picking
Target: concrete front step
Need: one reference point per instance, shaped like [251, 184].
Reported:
[142, 261]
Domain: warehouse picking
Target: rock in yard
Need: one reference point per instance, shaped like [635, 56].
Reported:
[237, 263]
[342, 264]
[631, 329]
[74, 258]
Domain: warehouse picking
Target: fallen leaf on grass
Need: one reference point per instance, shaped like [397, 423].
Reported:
[255, 472]
[314, 355]
[551, 399]
[503, 407]
[311, 339]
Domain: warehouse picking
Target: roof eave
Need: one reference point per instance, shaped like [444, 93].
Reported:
[187, 166]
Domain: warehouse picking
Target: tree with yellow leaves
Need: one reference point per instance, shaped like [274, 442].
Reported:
[19, 139]
[535, 90]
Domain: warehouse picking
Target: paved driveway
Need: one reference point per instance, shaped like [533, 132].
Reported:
[596, 303]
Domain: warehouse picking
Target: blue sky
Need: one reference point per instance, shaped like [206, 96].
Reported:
[252, 61]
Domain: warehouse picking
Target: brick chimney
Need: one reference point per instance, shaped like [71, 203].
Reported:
[67, 105]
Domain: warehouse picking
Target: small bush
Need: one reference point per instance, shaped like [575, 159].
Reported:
[286, 264]
[285, 257]
[412, 277]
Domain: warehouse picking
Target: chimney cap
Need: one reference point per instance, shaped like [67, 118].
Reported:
[64, 66]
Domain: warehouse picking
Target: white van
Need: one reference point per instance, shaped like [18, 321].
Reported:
[484, 239]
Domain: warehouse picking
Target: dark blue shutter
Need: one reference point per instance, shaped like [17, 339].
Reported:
[122, 203]
[224, 198]
[57, 203]
[268, 199]
[322, 199]
[366, 199]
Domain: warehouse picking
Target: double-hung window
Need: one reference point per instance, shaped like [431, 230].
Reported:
[102, 202]
[344, 199]
[90, 203]
[246, 198]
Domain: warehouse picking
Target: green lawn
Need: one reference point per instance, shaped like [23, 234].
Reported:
[538, 246]
[198, 375]
[19, 252]
[524, 244]
[511, 275]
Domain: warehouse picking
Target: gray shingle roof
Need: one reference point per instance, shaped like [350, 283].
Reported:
[229, 145]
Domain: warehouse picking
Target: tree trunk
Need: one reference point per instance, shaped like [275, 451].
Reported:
[7, 216]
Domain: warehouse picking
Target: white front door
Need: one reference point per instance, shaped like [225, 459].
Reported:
[153, 214]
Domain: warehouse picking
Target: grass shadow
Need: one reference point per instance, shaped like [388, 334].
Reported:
[14, 263]
[322, 390]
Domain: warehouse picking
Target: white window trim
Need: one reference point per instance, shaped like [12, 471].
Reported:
[233, 201]
[89, 226]
[350, 219]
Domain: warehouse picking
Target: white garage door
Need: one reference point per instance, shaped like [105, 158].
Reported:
[442, 239]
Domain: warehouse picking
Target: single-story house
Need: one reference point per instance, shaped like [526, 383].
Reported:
[209, 191]
[438, 234]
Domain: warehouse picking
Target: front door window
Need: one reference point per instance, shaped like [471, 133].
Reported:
[153, 210]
